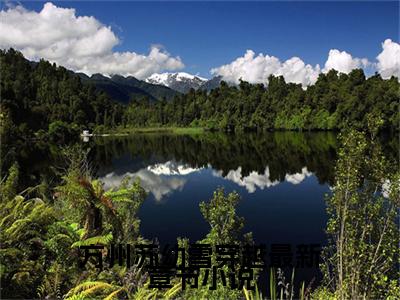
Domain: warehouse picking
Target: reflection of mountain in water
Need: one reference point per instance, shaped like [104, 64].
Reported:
[158, 179]
[159, 186]
[283, 152]
[162, 178]
[172, 168]
[240, 158]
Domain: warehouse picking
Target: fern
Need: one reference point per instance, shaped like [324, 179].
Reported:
[114, 294]
[173, 291]
[90, 288]
[122, 195]
[96, 240]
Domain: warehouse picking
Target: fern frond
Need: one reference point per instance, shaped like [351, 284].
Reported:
[17, 225]
[88, 285]
[96, 240]
[59, 237]
[173, 291]
[114, 294]
[94, 289]
[122, 195]
[76, 297]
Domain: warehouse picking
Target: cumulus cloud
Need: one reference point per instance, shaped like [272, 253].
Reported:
[298, 177]
[343, 62]
[159, 179]
[251, 182]
[257, 69]
[80, 43]
[389, 59]
[159, 186]
[255, 180]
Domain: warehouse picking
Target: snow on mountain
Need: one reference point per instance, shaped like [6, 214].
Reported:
[172, 168]
[180, 81]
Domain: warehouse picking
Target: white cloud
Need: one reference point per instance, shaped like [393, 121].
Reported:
[159, 186]
[296, 71]
[389, 59]
[159, 179]
[80, 43]
[255, 180]
[343, 62]
[298, 177]
[252, 181]
[257, 69]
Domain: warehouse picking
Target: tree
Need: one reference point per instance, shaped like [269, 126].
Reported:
[361, 259]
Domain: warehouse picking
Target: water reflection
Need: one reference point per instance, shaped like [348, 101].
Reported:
[162, 178]
[298, 177]
[157, 185]
[172, 168]
[251, 181]
[285, 153]
[159, 179]
[256, 180]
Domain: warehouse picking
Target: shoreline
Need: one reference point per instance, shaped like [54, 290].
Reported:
[173, 130]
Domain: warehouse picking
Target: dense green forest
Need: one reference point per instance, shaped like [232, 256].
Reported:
[43, 100]
[334, 102]
[37, 98]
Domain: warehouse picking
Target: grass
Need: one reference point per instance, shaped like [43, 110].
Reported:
[174, 130]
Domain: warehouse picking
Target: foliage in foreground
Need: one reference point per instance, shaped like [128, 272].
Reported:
[362, 259]
[39, 237]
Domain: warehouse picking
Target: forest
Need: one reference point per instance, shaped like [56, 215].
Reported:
[43, 100]
[335, 101]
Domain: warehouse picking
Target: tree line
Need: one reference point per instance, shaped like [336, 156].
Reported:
[42, 99]
[334, 102]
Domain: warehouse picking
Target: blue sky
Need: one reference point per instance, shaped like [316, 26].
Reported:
[235, 40]
[209, 34]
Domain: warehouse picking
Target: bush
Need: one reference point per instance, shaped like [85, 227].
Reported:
[62, 132]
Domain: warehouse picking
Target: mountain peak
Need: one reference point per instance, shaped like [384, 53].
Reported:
[179, 81]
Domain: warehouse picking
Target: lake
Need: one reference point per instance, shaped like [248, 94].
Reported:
[282, 178]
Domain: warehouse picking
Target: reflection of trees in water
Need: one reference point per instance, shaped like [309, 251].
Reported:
[38, 163]
[283, 152]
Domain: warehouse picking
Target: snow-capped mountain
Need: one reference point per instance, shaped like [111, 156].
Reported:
[181, 81]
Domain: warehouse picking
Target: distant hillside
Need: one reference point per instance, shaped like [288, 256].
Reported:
[211, 84]
[122, 89]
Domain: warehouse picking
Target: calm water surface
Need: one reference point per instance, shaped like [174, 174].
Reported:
[281, 178]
